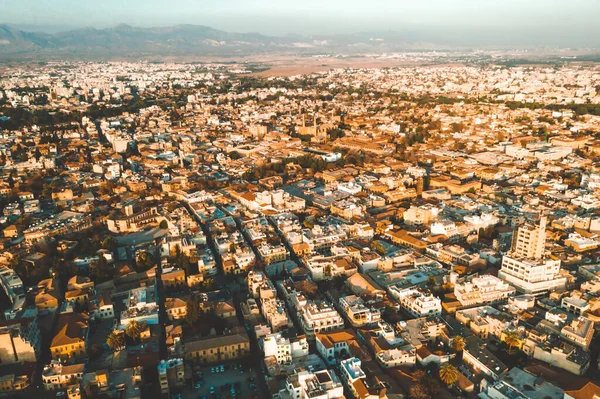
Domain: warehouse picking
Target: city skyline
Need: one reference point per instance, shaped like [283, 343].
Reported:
[317, 199]
[466, 22]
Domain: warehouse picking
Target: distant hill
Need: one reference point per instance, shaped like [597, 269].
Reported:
[124, 41]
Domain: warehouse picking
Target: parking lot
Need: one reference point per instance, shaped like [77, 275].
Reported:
[217, 384]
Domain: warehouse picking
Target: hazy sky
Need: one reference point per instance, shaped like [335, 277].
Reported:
[551, 22]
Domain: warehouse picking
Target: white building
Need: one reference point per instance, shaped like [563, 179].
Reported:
[317, 316]
[417, 302]
[483, 289]
[355, 380]
[305, 384]
[140, 305]
[20, 342]
[284, 349]
[274, 312]
[532, 276]
[255, 280]
[59, 376]
[525, 266]
[102, 308]
[521, 384]
[419, 215]
[13, 288]
[279, 347]
[357, 312]
[404, 356]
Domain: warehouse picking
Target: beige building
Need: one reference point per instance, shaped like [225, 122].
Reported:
[215, 349]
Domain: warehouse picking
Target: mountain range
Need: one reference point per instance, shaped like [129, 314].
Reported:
[125, 41]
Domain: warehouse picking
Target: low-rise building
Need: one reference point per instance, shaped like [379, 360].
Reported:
[357, 312]
[417, 302]
[483, 290]
[304, 384]
[521, 384]
[355, 380]
[69, 341]
[319, 316]
[59, 376]
[171, 374]
[215, 349]
[20, 341]
[579, 332]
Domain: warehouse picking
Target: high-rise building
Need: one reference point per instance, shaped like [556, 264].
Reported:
[529, 240]
[526, 267]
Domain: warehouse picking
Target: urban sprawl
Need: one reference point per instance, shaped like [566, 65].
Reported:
[202, 231]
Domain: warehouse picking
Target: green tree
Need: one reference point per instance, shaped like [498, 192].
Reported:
[134, 330]
[115, 341]
[234, 155]
[101, 267]
[164, 225]
[110, 243]
[418, 391]
[512, 340]
[458, 343]
[192, 307]
[144, 260]
[448, 374]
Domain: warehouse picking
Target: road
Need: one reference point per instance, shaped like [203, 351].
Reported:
[256, 355]
[160, 299]
[141, 237]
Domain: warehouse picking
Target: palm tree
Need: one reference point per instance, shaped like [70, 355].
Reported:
[133, 330]
[192, 308]
[448, 374]
[418, 375]
[115, 341]
[512, 339]
[458, 343]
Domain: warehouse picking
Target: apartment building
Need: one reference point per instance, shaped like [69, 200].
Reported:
[13, 288]
[420, 215]
[304, 384]
[579, 332]
[171, 374]
[416, 302]
[272, 253]
[215, 349]
[526, 268]
[482, 290]
[284, 349]
[59, 376]
[357, 312]
[279, 347]
[19, 341]
[132, 222]
[355, 379]
[273, 310]
[319, 316]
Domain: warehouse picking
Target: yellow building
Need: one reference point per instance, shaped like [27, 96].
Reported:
[174, 278]
[69, 341]
[176, 308]
[217, 349]
[403, 238]
[79, 296]
[12, 383]
[301, 249]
